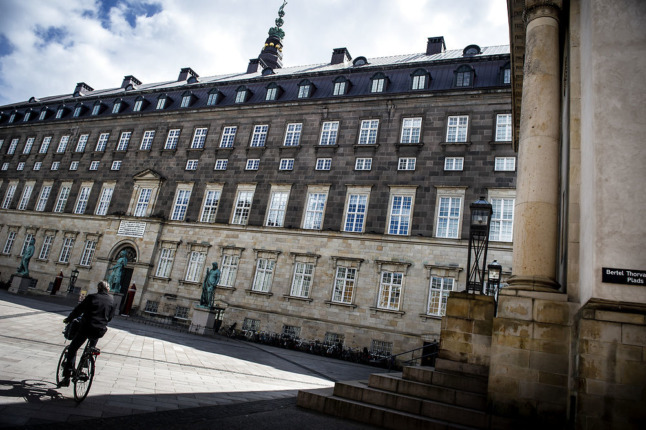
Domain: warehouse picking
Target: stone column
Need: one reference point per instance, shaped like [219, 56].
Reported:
[537, 192]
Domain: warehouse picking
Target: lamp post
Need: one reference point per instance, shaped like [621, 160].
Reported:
[481, 211]
[493, 281]
[73, 277]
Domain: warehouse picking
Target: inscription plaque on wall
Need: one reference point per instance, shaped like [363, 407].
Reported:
[623, 276]
[132, 229]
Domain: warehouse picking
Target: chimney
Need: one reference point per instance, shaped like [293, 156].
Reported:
[130, 80]
[435, 45]
[340, 55]
[82, 89]
[185, 73]
[253, 65]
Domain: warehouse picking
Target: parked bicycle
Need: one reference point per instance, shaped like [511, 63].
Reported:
[83, 374]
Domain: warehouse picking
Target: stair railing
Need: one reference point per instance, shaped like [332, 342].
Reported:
[434, 346]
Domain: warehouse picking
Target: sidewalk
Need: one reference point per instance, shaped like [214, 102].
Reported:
[156, 378]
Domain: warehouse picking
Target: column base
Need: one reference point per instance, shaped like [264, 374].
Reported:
[533, 283]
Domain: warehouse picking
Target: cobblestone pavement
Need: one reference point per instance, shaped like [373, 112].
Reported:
[155, 377]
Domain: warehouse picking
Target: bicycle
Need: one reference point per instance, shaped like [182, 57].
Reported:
[83, 374]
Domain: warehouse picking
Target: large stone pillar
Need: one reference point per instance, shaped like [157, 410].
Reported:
[537, 191]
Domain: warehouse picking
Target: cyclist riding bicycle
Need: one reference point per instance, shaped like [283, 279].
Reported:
[96, 310]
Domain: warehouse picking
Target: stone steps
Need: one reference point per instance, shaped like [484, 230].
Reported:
[324, 400]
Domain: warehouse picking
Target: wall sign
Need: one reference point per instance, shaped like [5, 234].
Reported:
[623, 276]
[132, 229]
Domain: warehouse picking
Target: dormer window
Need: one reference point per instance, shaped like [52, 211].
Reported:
[60, 112]
[192, 80]
[505, 74]
[420, 79]
[96, 109]
[161, 102]
[43, 114]
[378, 84]
[360, 61]
[273, 92]
[305, 89]
[464, 76]
[27, 116]
[341, 86]
[267, 71]
[214, 97]
[187, 99]
[12, 117]
[118, 106]
[140, 104]
[471, 50]
[242, 94]
[78, 109]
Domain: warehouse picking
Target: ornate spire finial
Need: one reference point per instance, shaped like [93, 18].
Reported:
[277, 31]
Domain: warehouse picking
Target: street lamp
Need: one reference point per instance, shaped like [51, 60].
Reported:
[481, 212]
[493, 282]
[73, 277]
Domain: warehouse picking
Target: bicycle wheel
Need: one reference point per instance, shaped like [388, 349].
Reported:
[61, 366]
[83, 378]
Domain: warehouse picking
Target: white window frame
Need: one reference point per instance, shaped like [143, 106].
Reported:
[138, 105]
[124, 140]
[363, 164]
[406, 163]
[210, 203]
[44, 146]
[419, 82]
[82, 143]
[8, 196]
[323, 164]
[339, 88]
[368, 132]
[186, 101]
[74, 165]
[66, 250]
[453, 164]
[8, 245]
[377, 85]
[147, 140]
[5, 166]
[242, 207]
[43, 197]
[104, 200]
[26, 195]
[391, 288]
[302, 280]
[88, 253]
[448, 223]
[46, 247]
[181, 202]
[355, 210]
[172, 138]
[20, 166]
[228, 136]
[116, 165]
[316, 203]
[293, 134]
[501, 227]
[165, 261]
[102, 142]
[457, 129]
[505, 164]
[55, 165]
[25, 243]
[503, 127]
[61, 200]
[62, 144]
[38, 165]
[277, 207]
[439, 290]
[329, 133]
[401, 206]
[195, 266]
[264, 274]
[286, 164]
[229, 267]
[144, 197]
[221, 164]
[82, 199]
[94, 165]
[199, 138]
[345, 284]
[252, 164]
[161, 103]
[272, 93]
[29, 144]
[259, 136]
[191, 165]
[411, 130]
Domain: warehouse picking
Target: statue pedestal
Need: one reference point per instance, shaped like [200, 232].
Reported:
[20, 284]
[118, 298]
[205, 321]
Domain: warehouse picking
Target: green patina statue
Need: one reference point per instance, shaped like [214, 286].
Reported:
[23, 269]
[208, 286]
[277, 31]
[114, 279]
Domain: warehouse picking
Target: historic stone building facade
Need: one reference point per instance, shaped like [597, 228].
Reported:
[334, 197]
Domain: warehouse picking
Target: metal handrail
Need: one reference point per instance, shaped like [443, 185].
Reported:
[391, 359]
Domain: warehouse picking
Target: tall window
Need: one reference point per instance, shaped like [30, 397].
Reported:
[82, 143]
[390, 289]
[210, 206]
[26, 195]
[199, 137]
[457, 128]
[147, 140]
[277, 208]
[242, 208]
[302, 282]
[12, 146]
[161, 103]
[11, 237]
[81, 202]
[503, 127]
[314, 211]
[96, 109]
[143, 200]
[45, 145]
[165, 263]
[502, 220]
[62, 144]
[8, 197]
[181, 205]
[77, 111]
[264, 274]
[88, 253]
[46, 247]
[506, 75]
[400, 214]
[29, 144]
[104, 201]
[228, 137]
[411, 130]
[229, 269]
[355, 214]
[171, 140]
[66, 250]
[124, 140]
[63, 194]
[43, 114]
[195, 265]
[448, 217]
[329, 133]
[116, 107]
[344, 284]
[60, 112]
[438, 295]
[138, 105]
[42, 199]
[259, 135]
[102, 142]
[368, 132]
[25, 244]
[293, 134]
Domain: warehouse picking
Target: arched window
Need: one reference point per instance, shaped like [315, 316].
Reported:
[341, 86]
[378, 83]
[464, 76]
[360, 61]
[420, 79]
[471, 50]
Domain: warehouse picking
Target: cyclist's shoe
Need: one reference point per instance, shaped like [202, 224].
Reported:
[65, 382]
[95, 351]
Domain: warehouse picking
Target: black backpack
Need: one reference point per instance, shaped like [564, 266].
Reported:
[72, 328]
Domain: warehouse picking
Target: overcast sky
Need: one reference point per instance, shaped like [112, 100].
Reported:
[47, 46]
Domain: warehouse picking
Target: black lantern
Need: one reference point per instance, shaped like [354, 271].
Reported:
[493, 283]
[481, 212]
[73, 277]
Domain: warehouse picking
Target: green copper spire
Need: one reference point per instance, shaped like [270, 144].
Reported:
[277, 31]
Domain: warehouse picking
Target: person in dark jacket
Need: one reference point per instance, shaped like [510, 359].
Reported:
[96, 310]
